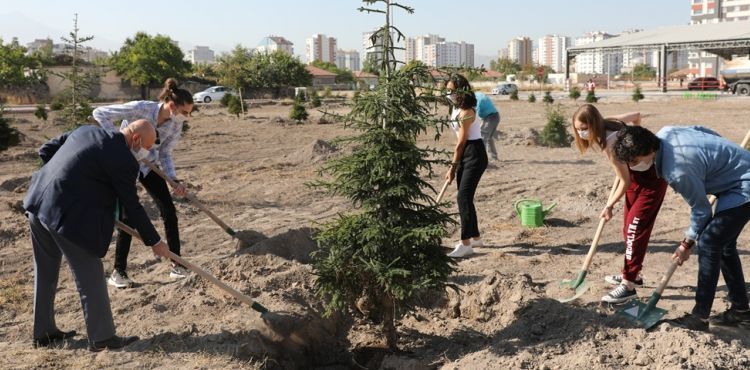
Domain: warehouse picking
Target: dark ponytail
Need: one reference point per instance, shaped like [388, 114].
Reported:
[172, 93]
[465, 98]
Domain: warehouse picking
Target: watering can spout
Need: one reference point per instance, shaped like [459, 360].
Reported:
[549, 208]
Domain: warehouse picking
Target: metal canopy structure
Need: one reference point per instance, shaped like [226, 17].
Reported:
[724, 39]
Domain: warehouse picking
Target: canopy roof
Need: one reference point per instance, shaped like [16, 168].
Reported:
[724, 39]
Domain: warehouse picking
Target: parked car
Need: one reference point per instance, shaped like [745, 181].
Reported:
[212, 93]
[504, 89]
[704, 83]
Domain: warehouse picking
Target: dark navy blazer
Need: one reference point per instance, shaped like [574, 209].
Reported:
[75, 193]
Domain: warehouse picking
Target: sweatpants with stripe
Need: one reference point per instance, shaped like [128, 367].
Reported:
[643, 200]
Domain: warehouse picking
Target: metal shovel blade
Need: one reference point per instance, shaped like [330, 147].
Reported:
[578, 284]
[582, 288]
[644, 314]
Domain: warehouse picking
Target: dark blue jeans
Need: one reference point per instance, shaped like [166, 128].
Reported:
[717, 252]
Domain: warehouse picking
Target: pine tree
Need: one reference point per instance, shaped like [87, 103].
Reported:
[387, 250]
[514, 94]
[554, 133]
[591, 98]
[315, 99]
[76, 107]
[548, 97]
[9, 136]
[298, 112]
[637, 95]
[575, 93]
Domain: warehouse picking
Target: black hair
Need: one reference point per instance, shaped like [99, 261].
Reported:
[634, 141]
[173, 93]
[465, 98]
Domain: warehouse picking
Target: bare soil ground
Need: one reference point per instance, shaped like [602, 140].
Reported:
[252, 172]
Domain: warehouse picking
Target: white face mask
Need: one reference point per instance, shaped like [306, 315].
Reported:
[642, 165]
[178, 118]
[584, 134]
[139, 154]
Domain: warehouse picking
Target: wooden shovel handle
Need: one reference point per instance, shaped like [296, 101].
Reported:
[442, 192]
[746, 140]
[598, 234]
[203, 273]
[192, 199]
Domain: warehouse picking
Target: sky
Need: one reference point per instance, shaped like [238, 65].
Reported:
[222, 24]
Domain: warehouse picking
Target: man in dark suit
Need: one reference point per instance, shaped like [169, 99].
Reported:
[71, 206]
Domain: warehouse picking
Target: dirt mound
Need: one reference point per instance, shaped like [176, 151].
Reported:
[317, 151]
[496, 298]
[525, 136]
[293, 245]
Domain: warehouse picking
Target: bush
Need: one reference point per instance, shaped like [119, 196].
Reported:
[327, 92]
[9, 136]
[314, 99]
[235, 105]
[56, 105]
[41, 112]
[591, 98]
[575, 93]
[532, 98]
[637, 95]
[298, 112]
[224, 102]
[356, 96]
[514, 94]
[548, 98]
[555, 133]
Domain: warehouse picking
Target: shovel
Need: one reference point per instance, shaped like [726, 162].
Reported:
[442, 192]
[647, 315]
[203, 273]
[578, 283]
[193, 200]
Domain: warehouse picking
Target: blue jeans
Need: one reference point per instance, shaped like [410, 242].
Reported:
[717, 252]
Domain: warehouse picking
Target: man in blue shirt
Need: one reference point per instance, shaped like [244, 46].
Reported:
[696, 161]
[490, 119]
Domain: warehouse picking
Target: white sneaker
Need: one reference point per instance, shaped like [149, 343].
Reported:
[178, 272]
[617, 279]
[119, 279]
[477, 243]
[461, 250]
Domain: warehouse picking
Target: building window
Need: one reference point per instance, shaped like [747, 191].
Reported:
[744, 8]
[697, 11]
[711, 11]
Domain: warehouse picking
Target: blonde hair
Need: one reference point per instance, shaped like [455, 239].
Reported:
[597, 128]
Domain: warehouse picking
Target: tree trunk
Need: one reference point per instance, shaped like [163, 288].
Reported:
[389, 323]
[143, 92]
[242, 102]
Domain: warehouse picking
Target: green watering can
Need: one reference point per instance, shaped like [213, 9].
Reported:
[531, 213]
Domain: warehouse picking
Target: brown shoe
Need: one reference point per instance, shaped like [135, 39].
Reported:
[115, 342]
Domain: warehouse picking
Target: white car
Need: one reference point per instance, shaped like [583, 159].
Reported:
[504, 89]
[211, 94]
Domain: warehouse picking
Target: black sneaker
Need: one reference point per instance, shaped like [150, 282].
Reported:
[732, 317]
[115, 342]
[619, 295]
[617, 279]
[51, 338]
[691, 322]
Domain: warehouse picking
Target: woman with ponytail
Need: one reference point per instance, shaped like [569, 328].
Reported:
[168, 116]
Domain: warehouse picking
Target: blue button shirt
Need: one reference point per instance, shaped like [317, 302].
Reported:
[484, 105]
[696, 161]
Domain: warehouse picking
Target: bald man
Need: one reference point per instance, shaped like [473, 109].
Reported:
[71, 206]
